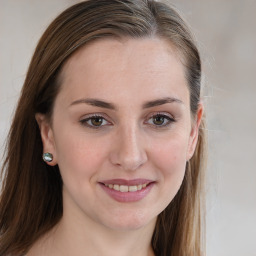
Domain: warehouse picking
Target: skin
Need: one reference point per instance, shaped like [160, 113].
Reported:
[128, 144]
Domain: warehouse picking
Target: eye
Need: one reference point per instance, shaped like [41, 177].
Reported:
[161, 120]
[94, 121]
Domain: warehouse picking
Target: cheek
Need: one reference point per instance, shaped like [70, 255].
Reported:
[78, 156]
[170, 160]
[170, 154]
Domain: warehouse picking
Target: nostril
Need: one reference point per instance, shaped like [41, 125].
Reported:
[129, 152]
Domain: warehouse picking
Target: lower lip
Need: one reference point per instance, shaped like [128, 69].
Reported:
[125, 197]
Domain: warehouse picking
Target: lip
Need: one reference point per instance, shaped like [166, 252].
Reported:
[133, 182]
[126, 197]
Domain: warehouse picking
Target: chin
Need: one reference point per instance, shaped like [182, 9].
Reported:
[129, 222]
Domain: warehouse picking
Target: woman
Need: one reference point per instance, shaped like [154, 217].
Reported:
[112, 102]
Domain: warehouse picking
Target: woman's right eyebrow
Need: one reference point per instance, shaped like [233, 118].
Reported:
[95, 102]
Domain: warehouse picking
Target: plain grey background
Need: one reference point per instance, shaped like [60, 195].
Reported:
[226, 34]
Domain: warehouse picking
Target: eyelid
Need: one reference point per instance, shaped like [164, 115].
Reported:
[94, 115]
[160, 114]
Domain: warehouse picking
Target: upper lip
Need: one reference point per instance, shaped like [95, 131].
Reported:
[133, 182]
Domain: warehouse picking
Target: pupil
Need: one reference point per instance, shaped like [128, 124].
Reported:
[159, 120]
[97, 121]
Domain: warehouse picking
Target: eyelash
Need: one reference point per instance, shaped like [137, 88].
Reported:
[169, 121]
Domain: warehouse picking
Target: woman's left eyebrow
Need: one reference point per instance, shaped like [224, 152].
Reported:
[162, 101]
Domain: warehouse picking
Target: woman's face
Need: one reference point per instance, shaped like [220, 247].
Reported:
[121, 132]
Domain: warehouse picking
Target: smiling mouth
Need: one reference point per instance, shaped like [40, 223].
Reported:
[124, 191]
[125, 188]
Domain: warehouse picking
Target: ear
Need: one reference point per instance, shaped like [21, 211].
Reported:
[47, 137]
[194, 132]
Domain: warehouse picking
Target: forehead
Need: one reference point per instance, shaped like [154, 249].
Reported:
[129, 67]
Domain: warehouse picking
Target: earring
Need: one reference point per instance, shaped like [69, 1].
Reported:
[47, 157]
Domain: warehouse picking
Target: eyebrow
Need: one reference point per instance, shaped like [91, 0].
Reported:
[162, 101]
[95, 102]
[104, 104]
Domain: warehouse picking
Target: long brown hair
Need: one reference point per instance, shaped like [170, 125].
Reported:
[31, 197]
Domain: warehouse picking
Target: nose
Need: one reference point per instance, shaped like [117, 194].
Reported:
[129, 151]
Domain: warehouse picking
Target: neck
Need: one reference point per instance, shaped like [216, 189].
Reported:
[80, 240]
[79, 235]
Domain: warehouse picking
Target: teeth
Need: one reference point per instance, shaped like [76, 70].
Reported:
[116, 187]
[133, 188]
[124, 188]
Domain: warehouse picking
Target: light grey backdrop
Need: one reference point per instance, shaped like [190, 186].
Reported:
[226, 33]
